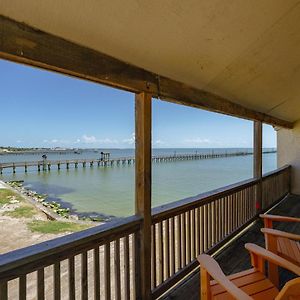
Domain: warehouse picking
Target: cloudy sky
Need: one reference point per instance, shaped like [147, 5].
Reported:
[44, 109]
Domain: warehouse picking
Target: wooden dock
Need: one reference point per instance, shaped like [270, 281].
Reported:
[46, 165]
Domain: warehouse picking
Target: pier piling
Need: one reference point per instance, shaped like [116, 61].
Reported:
[106, 161]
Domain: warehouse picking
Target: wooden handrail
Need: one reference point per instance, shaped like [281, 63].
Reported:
[174, 208]
[276, 172]
[18, 262]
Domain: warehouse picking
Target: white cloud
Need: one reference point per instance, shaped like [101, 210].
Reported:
[158, 143]
[202, 142]
[89, 139]
[108, 141]
[57, 141]
[93, 140]
[131, 140]
[197, 141]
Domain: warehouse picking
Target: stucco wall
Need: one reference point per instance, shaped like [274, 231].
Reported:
[288, 146]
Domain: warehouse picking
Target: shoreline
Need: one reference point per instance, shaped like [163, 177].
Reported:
[52, 209]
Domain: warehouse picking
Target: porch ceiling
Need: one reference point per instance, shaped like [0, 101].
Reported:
[246, 51]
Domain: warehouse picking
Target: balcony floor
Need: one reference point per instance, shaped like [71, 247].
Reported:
[235, 258]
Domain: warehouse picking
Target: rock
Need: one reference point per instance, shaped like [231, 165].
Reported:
[73, 217]
[13, 201]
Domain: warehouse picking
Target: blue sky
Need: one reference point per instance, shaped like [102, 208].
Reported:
[45, 109]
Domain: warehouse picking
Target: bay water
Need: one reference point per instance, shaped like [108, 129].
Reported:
[109, 191]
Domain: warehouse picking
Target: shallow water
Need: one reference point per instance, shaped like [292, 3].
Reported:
[110, 190]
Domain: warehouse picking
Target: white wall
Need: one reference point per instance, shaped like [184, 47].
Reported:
[288, 147]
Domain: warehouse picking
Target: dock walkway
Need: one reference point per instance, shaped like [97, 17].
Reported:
[44, 165]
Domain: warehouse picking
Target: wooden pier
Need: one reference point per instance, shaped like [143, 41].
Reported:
[46, 165]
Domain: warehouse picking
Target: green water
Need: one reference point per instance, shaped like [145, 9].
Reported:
[110, 191]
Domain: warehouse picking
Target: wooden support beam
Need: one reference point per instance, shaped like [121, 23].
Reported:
[257, 161]
[22, 43]
[257, 148]
[143, 191]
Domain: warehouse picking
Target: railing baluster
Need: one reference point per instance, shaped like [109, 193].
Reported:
[22, 287]
[232, 212]
[188, 236]
[56, 286]
[202, 228]
[240, 208]
[153, 259]
[71, 274]
[214, 224]
[225, 216]
[183, 239]
[84, 275]
[249, 189]
[220, 218]
[107, 270]
[245, 206]
[126, 268]
[193, 243]
[166, 248]
[117, 269]
[178, 245]
[197, 231]
[172, 247]
[3, 290]
[96, 273]
[40, 284]
[135, 267]
[210, 224]
[206, 230]
[160, 253]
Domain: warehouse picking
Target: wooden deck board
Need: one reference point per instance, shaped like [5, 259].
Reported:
[235, 257]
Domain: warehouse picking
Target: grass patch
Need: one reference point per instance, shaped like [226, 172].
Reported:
[6, 196]
[55, 226]
[21, 212]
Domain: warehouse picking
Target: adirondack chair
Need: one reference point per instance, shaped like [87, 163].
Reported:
[282, 243]
[250, 284]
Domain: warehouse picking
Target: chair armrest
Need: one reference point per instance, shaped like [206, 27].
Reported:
[279, 233]
[214, 270]
[273, 258]
[279, 218]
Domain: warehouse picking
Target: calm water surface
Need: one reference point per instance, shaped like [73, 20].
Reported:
[110, 190]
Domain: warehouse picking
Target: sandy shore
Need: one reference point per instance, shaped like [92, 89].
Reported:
[14, 233]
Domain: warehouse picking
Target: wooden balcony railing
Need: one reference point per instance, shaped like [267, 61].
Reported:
[184, 229]
[96, 263]
[103, 262]
[274, 185]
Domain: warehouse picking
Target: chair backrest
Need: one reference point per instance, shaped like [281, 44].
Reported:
[290, 291]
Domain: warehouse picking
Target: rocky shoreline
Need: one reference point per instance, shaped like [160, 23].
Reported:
[52, 209]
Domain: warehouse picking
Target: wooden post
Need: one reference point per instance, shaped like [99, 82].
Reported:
[257, 161]
[143, 192]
